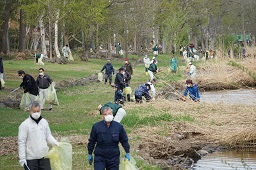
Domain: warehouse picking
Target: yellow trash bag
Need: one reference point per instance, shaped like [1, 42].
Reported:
[52, 95]
[61, 156]
[100, 76]
[26, 100]
[128, 165]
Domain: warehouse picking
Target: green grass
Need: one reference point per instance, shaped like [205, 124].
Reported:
[77, 111]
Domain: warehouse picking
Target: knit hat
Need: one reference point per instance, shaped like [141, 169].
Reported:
[126, 59]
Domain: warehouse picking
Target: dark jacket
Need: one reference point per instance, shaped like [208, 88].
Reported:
[128, 68]
[107, 139]
[142, 90]
[108, 68]
[1, 65]
[113, 106]
[153, 67]
[43, 82]
[119, 81]
[29, 85]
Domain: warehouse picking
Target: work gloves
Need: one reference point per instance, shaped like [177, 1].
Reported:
[23, 162]
[90, 159]
[57, 143]
[127, 156]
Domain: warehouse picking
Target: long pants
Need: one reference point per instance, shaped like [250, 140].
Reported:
[119, 115]
[43, 94]
[151, 75]
[108, 76]
[102, 163]
[38, 164]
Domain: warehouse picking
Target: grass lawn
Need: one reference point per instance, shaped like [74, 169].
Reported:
[77, 111]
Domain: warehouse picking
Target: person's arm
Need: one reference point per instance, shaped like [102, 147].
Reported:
[49, 79]
[92, 140]
[123, 138]
[49, 138]
[131, 69]
[103, 68]
[22, 141]
[112, 69]
[28, 83]
[120, 79]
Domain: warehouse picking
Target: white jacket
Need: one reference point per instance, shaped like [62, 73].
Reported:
[153, 90]
[33, 139]
[192, 71]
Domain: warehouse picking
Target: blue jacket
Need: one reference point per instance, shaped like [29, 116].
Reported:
[192, 92]
[107, 139]
[108, 68]
[142, 90]
[118, 96]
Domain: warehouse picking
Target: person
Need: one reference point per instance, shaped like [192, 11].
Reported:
[181, 50]
[104, 139]
[142, 90]
[155, 49]
[119, 96]
[173, 64]
[66, 51]
[146, 61]
[109, 71]
[30, 87]
[152, 70]
[33, 136]
[128, 67]
[119, 80]
[192, 70]
[1, 73]
[39, 58]
[118, 112]
[43, 82]
[154, 58]
[127, 78]
[192, 91]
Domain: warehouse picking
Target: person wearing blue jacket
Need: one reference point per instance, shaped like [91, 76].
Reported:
[192, 91]
[104, 139]
[109, 71]
[142, 90]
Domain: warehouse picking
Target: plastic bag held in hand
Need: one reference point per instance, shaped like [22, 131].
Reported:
[127, 156]
[90, 159]
[23, 162]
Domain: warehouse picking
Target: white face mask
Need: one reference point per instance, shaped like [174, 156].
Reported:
[21, 77]
[109, 118]
[36, 115]
[41, 74]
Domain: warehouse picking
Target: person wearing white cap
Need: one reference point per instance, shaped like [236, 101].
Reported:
[192, 70]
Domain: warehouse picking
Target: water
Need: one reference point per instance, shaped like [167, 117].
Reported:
[228, 160]
[245, 96]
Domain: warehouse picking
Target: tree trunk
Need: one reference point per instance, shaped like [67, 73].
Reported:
[22, 39]
[84, 54]
[42, 32]
[5, 27]
[56, 46]
[50, 30]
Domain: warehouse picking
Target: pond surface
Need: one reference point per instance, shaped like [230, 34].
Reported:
[228, 160]
[245, 96]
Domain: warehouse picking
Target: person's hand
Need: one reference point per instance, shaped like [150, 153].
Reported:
[23, 162]
[90, 159]
[57, 143]
[183, 98]
[127, 156]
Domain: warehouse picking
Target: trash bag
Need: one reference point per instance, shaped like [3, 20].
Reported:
[2, 82]
[128, 165]
[70, 57]
[26, 100]
[61, 156]
[100, 76]
[52, 95]
[40, 62]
